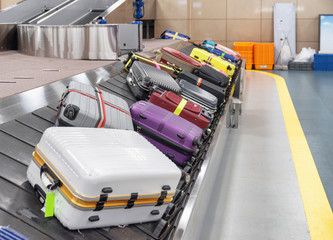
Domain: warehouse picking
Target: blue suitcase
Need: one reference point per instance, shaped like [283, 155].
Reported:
[167, 34]
[220, 50]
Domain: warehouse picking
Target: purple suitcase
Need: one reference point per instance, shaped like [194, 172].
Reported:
[176, 137]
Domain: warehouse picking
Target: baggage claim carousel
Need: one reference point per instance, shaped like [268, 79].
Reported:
[21, 131]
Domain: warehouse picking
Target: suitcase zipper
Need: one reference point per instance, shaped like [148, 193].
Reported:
[145, 131]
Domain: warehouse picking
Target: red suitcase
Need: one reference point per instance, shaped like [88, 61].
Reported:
[177, 59]
[188, 110]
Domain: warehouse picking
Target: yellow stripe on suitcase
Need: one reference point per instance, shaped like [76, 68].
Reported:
[217, 62]
[180, 107]
[174, 37]
[84, 202]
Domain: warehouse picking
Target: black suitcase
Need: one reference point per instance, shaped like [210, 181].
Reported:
[142, 78]
[214, 76]
[199, 96]
[212, 88]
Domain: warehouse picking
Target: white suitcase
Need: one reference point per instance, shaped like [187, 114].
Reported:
[102, 177]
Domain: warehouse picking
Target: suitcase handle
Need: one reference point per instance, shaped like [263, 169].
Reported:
[56, 182]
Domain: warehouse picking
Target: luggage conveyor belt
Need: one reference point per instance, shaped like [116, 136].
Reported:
[19, 206]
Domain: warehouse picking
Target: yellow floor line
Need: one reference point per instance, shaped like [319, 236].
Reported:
[317, 208]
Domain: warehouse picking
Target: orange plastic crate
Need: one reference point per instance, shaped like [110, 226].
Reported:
[249, 61]
[246, 54]
[248, 66]
[264, 55]
[243, 46]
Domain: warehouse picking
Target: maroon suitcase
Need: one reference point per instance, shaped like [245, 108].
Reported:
[177, 59]
[188, 110]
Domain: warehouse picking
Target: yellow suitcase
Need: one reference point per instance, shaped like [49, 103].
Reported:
[217, 62]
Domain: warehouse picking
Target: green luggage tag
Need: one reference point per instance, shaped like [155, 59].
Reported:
[49, 204]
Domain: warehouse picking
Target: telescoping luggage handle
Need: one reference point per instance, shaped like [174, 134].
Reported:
[132, 57]
[101, 105]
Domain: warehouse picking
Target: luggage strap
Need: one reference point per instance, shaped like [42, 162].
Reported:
[174, 37]
[90, 96]
[210, 58]
[131, 201]
[156, 64]
[102, 200]
[199, 81]
[180, 107]
[160, 200]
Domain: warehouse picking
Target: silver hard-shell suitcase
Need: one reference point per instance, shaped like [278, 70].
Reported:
[143, 77]
[102, 177]
[85, 106]
[198, 95]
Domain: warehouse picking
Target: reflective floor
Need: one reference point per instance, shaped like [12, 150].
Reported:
[312, 96]
[253, 191]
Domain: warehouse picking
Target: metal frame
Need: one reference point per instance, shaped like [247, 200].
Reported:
[67, 29]
[227, 120]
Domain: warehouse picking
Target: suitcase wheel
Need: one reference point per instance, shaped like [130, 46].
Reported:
[186, 177]
[207, 132]
[197, 141]
[196, 152]
[40, 194]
